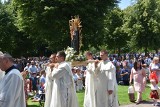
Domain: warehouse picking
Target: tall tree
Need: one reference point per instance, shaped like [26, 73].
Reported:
[115, 36]
[6, 30]
[47, 20]
[143, 24]
[11, 39]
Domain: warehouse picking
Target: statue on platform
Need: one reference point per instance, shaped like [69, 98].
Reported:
[75, 32]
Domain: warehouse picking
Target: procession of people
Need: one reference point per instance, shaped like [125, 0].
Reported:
[58, 81]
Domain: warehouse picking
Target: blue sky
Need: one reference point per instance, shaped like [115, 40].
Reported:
[124, 3]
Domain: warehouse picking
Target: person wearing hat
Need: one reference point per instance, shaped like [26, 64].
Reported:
[12, 90]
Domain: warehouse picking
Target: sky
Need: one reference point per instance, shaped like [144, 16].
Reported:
[124, 3]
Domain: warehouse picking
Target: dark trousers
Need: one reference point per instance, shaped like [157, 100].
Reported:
[126, 82]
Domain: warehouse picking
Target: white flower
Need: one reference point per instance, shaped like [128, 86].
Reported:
[69, 53]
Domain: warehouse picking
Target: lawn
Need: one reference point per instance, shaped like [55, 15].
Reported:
[122, 96]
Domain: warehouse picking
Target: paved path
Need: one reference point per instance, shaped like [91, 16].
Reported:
[143, 104]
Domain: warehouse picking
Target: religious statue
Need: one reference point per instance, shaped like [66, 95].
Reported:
[75, 32]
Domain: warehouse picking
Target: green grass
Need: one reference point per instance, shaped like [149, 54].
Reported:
[32, 104]
[80, 95]
[122, 97]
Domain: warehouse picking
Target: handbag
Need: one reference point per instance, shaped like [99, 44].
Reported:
[131, 92]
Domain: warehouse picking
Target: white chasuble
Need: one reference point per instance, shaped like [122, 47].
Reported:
[106, 78]
[90, 88]
[12, 91]
[63, 91]
[48, 87]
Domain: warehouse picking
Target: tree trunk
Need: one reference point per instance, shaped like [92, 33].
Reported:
[146, 50]
[119, 51]
[156, 51]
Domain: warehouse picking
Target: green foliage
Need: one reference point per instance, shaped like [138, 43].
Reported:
[6, 30]
[47, 20]
[93, 49]
[12, 40]
[115, 37]
[33, 27]
[142, 23]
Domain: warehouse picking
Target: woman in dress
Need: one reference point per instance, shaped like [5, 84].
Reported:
[139, 77]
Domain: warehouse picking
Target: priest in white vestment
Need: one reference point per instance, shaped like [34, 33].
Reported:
[64, 93]
[49, 80]
[12, 87]
[90, 82]
[106, 92]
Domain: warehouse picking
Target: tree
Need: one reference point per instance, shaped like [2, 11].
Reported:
[13, 41]
[143, 24]
[115, 36]
[47, 20]
[6, 30]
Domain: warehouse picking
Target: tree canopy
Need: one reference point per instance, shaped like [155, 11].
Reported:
[115, 37]
[48, 20]
[38, 27]
[143, 24]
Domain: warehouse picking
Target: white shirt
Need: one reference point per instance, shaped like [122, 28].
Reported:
[33, 69]
[154, 66]
[154, 87]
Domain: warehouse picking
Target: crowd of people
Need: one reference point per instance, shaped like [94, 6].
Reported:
[139, 70]
[57, 81]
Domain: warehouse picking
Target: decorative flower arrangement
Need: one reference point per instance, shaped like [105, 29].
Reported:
[70, 55]
[80, 57]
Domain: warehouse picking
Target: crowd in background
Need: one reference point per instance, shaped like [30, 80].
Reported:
[34, 68]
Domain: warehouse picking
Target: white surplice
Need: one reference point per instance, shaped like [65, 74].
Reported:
[106, 78]
[48, 87]
[2, 73]
[63, 93]
[90, 88]
[12, 90]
